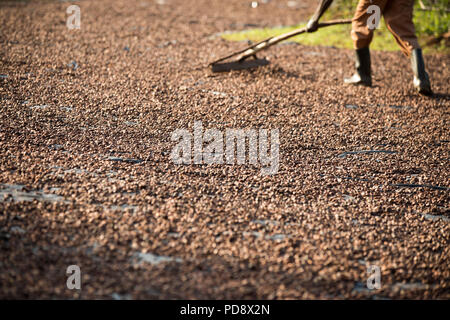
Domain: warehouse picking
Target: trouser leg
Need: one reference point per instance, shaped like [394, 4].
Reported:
[361, 33]
[398, 16]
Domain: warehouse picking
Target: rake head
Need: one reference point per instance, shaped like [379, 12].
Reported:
[239, 65]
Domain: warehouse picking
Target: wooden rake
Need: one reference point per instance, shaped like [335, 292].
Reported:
[240, 58]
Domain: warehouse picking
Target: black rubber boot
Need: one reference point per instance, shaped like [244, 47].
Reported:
[421, 79]
[363, 75]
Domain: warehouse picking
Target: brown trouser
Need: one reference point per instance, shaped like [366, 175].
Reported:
[398, 18]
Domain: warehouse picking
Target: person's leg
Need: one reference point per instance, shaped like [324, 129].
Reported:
[398, 16]
[362, 36]
[361, 33]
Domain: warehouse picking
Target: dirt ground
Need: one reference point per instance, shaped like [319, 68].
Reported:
[86, 177]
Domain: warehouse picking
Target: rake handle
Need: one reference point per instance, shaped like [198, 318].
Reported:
[266, 43]
[274, 40]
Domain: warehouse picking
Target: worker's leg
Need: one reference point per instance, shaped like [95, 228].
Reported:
[398, 16]
[361, 33]
[362, 36]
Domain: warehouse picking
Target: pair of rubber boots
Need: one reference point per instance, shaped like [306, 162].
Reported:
[363, 75]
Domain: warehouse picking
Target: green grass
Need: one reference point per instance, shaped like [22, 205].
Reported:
[432, 23]
[428, 23]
